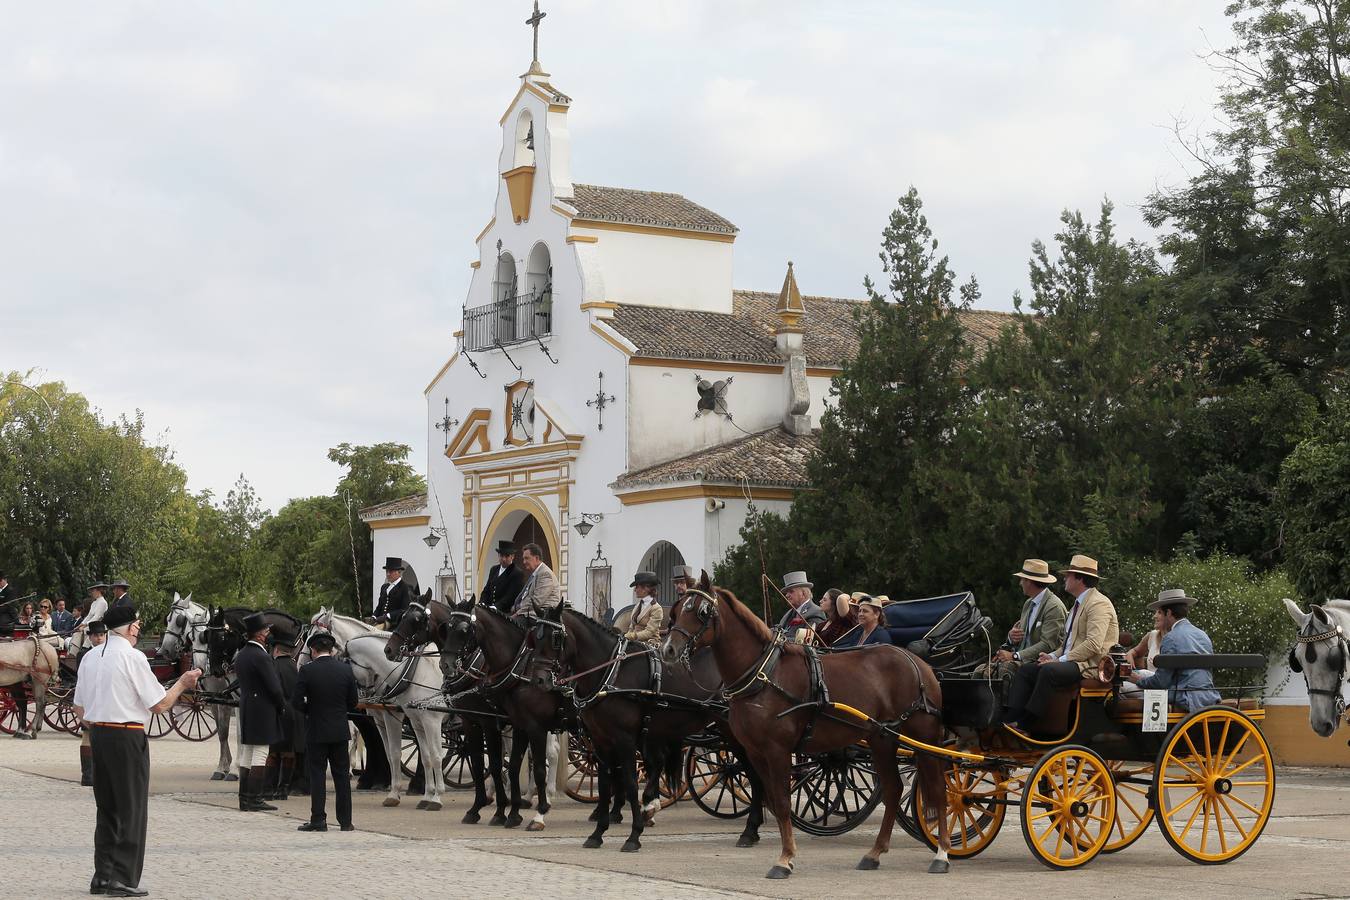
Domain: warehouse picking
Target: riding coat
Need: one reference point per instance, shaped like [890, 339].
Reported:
[393, 602]
[261, 703]
[293, 720]
[124, 600]
[325, 691]
[503, 586]
[645, 623]
[809, 614]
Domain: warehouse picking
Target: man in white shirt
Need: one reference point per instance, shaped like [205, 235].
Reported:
[115, 701]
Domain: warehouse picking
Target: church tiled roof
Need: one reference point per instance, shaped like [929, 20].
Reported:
[747, 333]
[772, 458]
[654, 208]
[392, 509]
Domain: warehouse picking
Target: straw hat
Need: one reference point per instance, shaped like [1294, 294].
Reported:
[868, 600]
[1172, 597]
[1081, 565]
[1036, 570]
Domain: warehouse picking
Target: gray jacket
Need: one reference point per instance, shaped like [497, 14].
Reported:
[1191, 688]
[809, 611]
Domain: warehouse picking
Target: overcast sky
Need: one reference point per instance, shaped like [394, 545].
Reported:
[253, 220]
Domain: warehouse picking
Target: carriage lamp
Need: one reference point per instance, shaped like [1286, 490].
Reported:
[588, 521]
[433, 538]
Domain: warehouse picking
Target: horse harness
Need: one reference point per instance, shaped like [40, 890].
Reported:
[1336, 635]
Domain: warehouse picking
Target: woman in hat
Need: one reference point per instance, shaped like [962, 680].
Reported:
[644, 625]
[871, 628]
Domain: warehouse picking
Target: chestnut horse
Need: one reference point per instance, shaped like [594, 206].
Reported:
[773, 714]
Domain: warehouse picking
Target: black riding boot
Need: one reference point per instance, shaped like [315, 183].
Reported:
[270, 772]
[245, 797]
[286, 771]
[257, 777]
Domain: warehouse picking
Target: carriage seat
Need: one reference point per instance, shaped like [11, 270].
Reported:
[1134, 704]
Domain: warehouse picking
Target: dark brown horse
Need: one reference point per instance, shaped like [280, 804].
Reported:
[773, 712]
[628, 700]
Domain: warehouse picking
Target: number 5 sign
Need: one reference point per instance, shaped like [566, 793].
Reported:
[1155, 710]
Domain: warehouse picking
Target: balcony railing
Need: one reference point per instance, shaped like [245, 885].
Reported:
[511, 320]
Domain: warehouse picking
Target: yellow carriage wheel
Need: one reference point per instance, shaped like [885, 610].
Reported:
[1214, 785]
[1133, 811]
[1068, 807]
[975, 812]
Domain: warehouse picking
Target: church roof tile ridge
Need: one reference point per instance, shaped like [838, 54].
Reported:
[654, 208]
[401, 506]
[769, 458]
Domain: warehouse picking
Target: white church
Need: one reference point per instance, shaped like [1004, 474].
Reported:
[611, 396]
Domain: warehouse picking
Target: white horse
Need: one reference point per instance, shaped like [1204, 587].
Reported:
[185, 627]
[34, 657]
[376, 675]
[1322, 654]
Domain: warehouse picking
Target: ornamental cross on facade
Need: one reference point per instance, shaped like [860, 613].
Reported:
[447, 423]
[601, 401]
[533, 21]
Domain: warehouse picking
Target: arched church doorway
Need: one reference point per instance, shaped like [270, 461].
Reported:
[520, 520]
[529, 531]
[661, 558]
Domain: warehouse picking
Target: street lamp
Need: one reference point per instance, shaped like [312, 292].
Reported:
[434, 538]
[587, 522]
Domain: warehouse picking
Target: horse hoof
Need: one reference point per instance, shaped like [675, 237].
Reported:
[218, 776]
[535, 826]
[592, 843]
[231, 777]
[867, 864]
[747, 840]
[432, 806]
[779, 872]
[422, 804]
[390, 801]
[939, 867]
[498, 819]
[513, 821]
[632, 845]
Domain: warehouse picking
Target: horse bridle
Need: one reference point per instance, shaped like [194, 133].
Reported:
[707, 614]
[1337, 637]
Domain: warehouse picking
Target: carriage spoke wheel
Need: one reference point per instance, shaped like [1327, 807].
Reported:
[59, 714]
[458, 773]
[583, 777]
[717, 782]
[975, 810]
[833, 793]
[1068, 807]
[1214, 785]
[192, 719]
[1133, 811]
[160, 725]
[9, 712]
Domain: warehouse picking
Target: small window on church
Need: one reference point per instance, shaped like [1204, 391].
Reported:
[539, 284]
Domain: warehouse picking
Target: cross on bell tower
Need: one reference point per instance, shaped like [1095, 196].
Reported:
[533, 21]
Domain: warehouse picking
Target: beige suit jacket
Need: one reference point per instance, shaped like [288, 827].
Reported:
[1095, 631]
[646, 626]
[540, 593]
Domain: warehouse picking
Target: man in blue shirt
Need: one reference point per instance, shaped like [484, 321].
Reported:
[1190, 688]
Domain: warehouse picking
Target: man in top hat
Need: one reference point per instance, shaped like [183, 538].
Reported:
[805, 611]
[504, 581]
[261, 706]
[644, 625]
[1040, 628]
[1190, 688]
[115, 698]
[683, 578]
[9, 611]
[541, 591]
[395, 595]
[98, 633]
[1090, 632]
[325, 692]
[121, 594]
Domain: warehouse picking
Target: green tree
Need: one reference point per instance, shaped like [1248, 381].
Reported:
[1314, 497]
[226, 564]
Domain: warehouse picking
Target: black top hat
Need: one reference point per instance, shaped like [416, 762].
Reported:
[119, 616]
[97, 628]
[393, 563]
[322, 642]
[505, 547]
[648, 578]
[254, 622]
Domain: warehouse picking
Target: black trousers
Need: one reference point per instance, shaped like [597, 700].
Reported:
[331, 755]
[122, 792]
[1035, 684]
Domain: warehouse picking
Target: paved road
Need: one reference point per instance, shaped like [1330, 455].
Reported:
[202, 847]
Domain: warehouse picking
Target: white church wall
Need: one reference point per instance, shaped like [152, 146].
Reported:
[658, 270]
[722, 529]
[661, 422]
[405, 543]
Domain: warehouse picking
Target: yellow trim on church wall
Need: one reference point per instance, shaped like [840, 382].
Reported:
[476, 421]
[654, 230]
[475, 264]
[399, 522]
[1293, 743]
[530, 504]
[609, 339]
[526, 86]
[560, 211]
[699, 491]
[659, 362]
[512, 453]
[599, 304]
[445, 368]
[582, 239]
[558, 107]
[821, 372]
[519, 190]
[486, 229]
